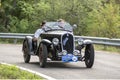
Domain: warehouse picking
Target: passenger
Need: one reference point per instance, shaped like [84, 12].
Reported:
[61, 23]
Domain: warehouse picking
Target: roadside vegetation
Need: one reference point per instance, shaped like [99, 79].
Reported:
[11, 41]
[99, 18]
[107, 48]
[12, 72]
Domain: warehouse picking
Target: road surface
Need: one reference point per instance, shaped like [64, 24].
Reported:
[106, 66]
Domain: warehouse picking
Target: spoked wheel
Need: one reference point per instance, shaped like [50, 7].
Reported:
[43, 55]
[89, 55]
[26, 52]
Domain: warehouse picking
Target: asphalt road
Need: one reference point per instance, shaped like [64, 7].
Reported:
[106, 66]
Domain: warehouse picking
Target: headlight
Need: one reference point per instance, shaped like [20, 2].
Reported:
[55, 41]
[76, 52]
[64, 52]
[80, 41]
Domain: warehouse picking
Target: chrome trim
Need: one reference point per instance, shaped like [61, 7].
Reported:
[87, 41]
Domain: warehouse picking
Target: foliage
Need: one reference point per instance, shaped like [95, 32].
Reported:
[107, 48]
[0, 3]
[11, 72]
[105, 21]
[93, 17]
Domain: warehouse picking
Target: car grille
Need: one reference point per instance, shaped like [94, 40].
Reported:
[67, 42]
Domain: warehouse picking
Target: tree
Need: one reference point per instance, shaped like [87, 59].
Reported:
[0, 3]
[105, 21]
[93, 17]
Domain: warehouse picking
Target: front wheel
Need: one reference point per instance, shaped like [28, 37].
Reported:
[89, 55]
[26, 51]
[43, 55]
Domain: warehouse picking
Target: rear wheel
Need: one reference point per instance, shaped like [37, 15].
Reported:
[89, 55]
[26, 51]
[43, 55]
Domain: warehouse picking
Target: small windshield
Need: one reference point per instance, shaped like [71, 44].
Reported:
[49, 26]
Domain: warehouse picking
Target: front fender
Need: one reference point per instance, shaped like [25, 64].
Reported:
[46, 42]
[87, 41]
[29, 40]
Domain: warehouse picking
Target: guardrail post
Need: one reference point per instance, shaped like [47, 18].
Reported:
[15, 41]
[105, 46]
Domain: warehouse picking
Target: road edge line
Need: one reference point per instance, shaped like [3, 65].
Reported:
[34, 72]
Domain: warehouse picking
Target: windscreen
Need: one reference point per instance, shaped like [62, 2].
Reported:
[49, 26]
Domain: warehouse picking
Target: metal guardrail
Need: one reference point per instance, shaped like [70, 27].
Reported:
[96, 40]
[101, 40]
[14, 35]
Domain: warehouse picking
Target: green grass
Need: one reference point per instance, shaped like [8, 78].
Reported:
[107, 48]
[11, 41]
[12, 72]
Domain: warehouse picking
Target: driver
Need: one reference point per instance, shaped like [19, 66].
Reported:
[61, 23]
[37, 34]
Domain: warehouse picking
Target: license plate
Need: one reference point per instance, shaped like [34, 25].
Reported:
[69, 58]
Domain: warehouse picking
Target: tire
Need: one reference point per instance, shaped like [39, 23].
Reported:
[26, 51]
[89, 55]
[43, 55]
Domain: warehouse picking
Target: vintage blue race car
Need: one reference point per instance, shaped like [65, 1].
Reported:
[59, 44]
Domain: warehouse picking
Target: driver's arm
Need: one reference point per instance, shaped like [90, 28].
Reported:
[38, 32]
